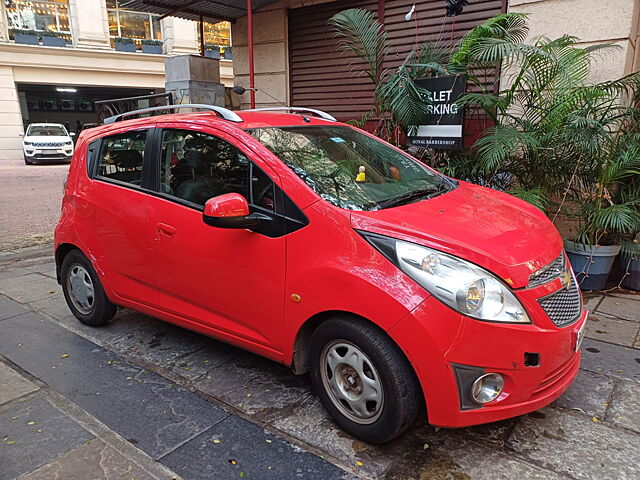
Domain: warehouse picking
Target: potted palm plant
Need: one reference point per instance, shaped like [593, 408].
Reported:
[630, 263]
[152, 46]
[124, 44]
[26, 37]
[608, 211]
[53, 39]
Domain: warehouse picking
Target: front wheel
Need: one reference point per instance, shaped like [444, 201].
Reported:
[27, 161]
[363, 379]
[83, 291]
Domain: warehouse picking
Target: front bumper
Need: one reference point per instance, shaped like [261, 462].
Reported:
[493, 347]
[43, 155]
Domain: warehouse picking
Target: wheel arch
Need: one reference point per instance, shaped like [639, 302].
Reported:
[302, 341]
[61, 252]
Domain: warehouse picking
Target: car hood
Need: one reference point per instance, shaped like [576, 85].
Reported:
[47, 139]
[499, 232]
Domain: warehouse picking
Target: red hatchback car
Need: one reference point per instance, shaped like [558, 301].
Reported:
[319, 246]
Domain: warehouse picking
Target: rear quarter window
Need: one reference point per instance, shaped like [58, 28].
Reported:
[121, 157]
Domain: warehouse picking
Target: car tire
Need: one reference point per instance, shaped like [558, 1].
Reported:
[27, 161]
[376, 402]
[83, 291]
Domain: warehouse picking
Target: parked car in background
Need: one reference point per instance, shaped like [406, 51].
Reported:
[320, 246]
[47, 142]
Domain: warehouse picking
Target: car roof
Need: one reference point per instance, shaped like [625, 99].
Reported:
[46, 125]
[250, 119]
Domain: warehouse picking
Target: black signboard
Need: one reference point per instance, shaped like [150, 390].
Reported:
[443, 129]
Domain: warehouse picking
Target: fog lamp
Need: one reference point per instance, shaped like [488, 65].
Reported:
[487, 387]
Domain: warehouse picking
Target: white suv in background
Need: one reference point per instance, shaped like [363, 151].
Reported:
[47, 142]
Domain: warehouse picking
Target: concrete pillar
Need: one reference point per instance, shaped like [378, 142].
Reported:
[4, 27]
[89, 23]
[270, 52]
[194, 79]
[10, 116]
[180, 36]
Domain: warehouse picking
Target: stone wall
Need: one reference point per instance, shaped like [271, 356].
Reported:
[593, 22]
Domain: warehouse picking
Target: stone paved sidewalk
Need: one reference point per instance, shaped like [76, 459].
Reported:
[591, 432]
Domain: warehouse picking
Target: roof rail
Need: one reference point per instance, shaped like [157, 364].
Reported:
[319, 113]
[225, 113]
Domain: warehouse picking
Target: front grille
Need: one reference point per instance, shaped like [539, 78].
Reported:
[564, 306]
[548, 273]
[48, 144]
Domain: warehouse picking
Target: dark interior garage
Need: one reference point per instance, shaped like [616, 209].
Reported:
[67, 104]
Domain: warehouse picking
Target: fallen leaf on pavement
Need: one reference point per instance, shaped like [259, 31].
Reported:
[64, 355]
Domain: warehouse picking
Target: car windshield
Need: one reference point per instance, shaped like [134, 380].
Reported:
[46, 131]
[350, 169]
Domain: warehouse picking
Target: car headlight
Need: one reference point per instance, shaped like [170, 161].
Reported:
[68, 142]
[463, 286]
[28, 144]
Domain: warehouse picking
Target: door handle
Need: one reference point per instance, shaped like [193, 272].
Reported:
[166, 230]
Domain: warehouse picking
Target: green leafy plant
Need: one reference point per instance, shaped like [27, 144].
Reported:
[552, 129]
[51, 33]
[398, 102]
[147, 41]
[20, 31]
[124, 40]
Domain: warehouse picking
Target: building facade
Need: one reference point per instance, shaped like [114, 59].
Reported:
[297, 60]
[58, 56]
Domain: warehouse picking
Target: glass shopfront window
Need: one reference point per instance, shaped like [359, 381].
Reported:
[39, 15]
[217, 34]
[129, 24]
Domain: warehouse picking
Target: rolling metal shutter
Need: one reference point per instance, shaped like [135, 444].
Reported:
[319, 74]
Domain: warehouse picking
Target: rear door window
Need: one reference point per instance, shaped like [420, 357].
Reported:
[122, 157]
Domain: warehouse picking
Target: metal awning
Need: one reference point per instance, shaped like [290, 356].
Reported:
[214, 10]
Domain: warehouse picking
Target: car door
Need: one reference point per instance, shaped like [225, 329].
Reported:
[112, 212]
[229, 280]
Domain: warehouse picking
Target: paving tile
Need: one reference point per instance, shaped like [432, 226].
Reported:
[311, 423]
[143, 407]
[9, 308]
[157, 343]
[609, 329]
[25, 446]
[210, 356]
[465, 460]
[246, 451]
[54, 306]
[622, 307]
[572, 444]
[591, 301]
[624, 409]
[93, 460]
[256, 385]
[611, 360]
[13, 385]
[29, 287]
[589, 392]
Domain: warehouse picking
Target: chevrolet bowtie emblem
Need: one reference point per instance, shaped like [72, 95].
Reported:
[566, 278]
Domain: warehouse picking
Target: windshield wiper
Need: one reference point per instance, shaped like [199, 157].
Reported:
[416, 194]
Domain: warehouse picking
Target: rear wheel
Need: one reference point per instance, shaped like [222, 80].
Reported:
[363, 379]
[83, 291]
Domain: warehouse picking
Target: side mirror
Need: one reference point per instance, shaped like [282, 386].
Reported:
[72, 134]
[21, 134]
[230, 210]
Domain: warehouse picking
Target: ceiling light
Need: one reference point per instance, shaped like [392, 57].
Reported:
[68, 90]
